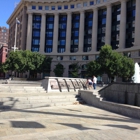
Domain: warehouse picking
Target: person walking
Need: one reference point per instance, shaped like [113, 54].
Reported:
[89, 84]
[94, 82]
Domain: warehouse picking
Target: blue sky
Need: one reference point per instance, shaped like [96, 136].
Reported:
[6, 8]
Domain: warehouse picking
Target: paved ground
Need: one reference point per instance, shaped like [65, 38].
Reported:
[74, 122]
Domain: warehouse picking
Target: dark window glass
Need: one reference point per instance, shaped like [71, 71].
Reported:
[49, 34]
[36, 25]
[104, 21]
[37, 17]
[40, 7]
[76, 25]
[48, 50]
[53, 7]
[62, 42]
[63, 18]
[133, 13]
[49, 42]
[50, 18]
[63, 34]
[36, 33]
[89, 23]
[72, 6]
[62, 26]
[35, 49]
[76, 33]
[91, 2]
[50, 26]
[36, 41]
[33, 7]
[66, 7]
[59, 7]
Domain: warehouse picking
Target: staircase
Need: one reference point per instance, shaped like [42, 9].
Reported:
[31, 95]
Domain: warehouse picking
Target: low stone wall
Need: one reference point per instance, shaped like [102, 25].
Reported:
[124, 93]
[63, 84]
[127, 110]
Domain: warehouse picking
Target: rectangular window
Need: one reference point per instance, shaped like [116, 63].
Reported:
[85, 4]
[36, 41]
[118, 27]
[59, 57]
[76, 25]
[62, 42]
[36, 33]
[46, 7]
[134, 13]
[97, 1]
[59, 7]
[49, 34]
[103, 39]
[48, 50]
[103, 29]
[39, 7]
[62, 34]
[89, 31]
[118, 17]
[104, 21]
[49, 42]
[89, 41]
[72, 6]
[76, 42]
[85, 57]
[33, 7]
[49, 26]
[53, 7]
[91, 2]
[78, 5]
[62, 26]
[72, 57]
[89, 23]
[65, 6]
[76, 33]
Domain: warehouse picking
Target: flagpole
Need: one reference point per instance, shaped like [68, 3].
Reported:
[15, 35]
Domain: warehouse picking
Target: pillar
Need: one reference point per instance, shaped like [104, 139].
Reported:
[29, 31]
[42, 35]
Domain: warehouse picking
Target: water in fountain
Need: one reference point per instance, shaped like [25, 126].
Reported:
[136, 76]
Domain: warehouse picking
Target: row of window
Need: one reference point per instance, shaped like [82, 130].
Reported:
[85, 57]
[72, 6]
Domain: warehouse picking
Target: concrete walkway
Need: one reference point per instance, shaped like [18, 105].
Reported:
[73, 122]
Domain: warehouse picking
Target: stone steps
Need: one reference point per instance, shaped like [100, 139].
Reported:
[38, 101]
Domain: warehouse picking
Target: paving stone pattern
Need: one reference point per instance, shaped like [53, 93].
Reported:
[72, 122]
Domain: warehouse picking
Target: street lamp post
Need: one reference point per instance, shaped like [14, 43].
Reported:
[17, 22]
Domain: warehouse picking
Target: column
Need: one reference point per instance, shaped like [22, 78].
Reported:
[55, 33]
[81, 31]
[68, 34]
[94, 30]
[42, 35]
[29, 32]
[108, 25]
[137, 24]
[122, 25]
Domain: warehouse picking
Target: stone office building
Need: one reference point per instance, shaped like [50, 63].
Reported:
[74, 30]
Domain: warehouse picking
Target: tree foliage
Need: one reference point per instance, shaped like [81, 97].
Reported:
[23, 61]
[74, 70]
[59, 70]
[111, 63]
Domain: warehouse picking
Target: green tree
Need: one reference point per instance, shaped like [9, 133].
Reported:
[111, 63]
[74, 70]
[93, 68]
[59, 70]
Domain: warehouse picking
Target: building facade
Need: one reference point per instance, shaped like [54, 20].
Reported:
[72, 31]
[3, 55]
[4, 34]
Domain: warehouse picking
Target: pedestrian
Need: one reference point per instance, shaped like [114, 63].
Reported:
[94, 82]
[89, 84]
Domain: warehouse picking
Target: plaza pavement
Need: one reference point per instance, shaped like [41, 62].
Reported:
[72, 122]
